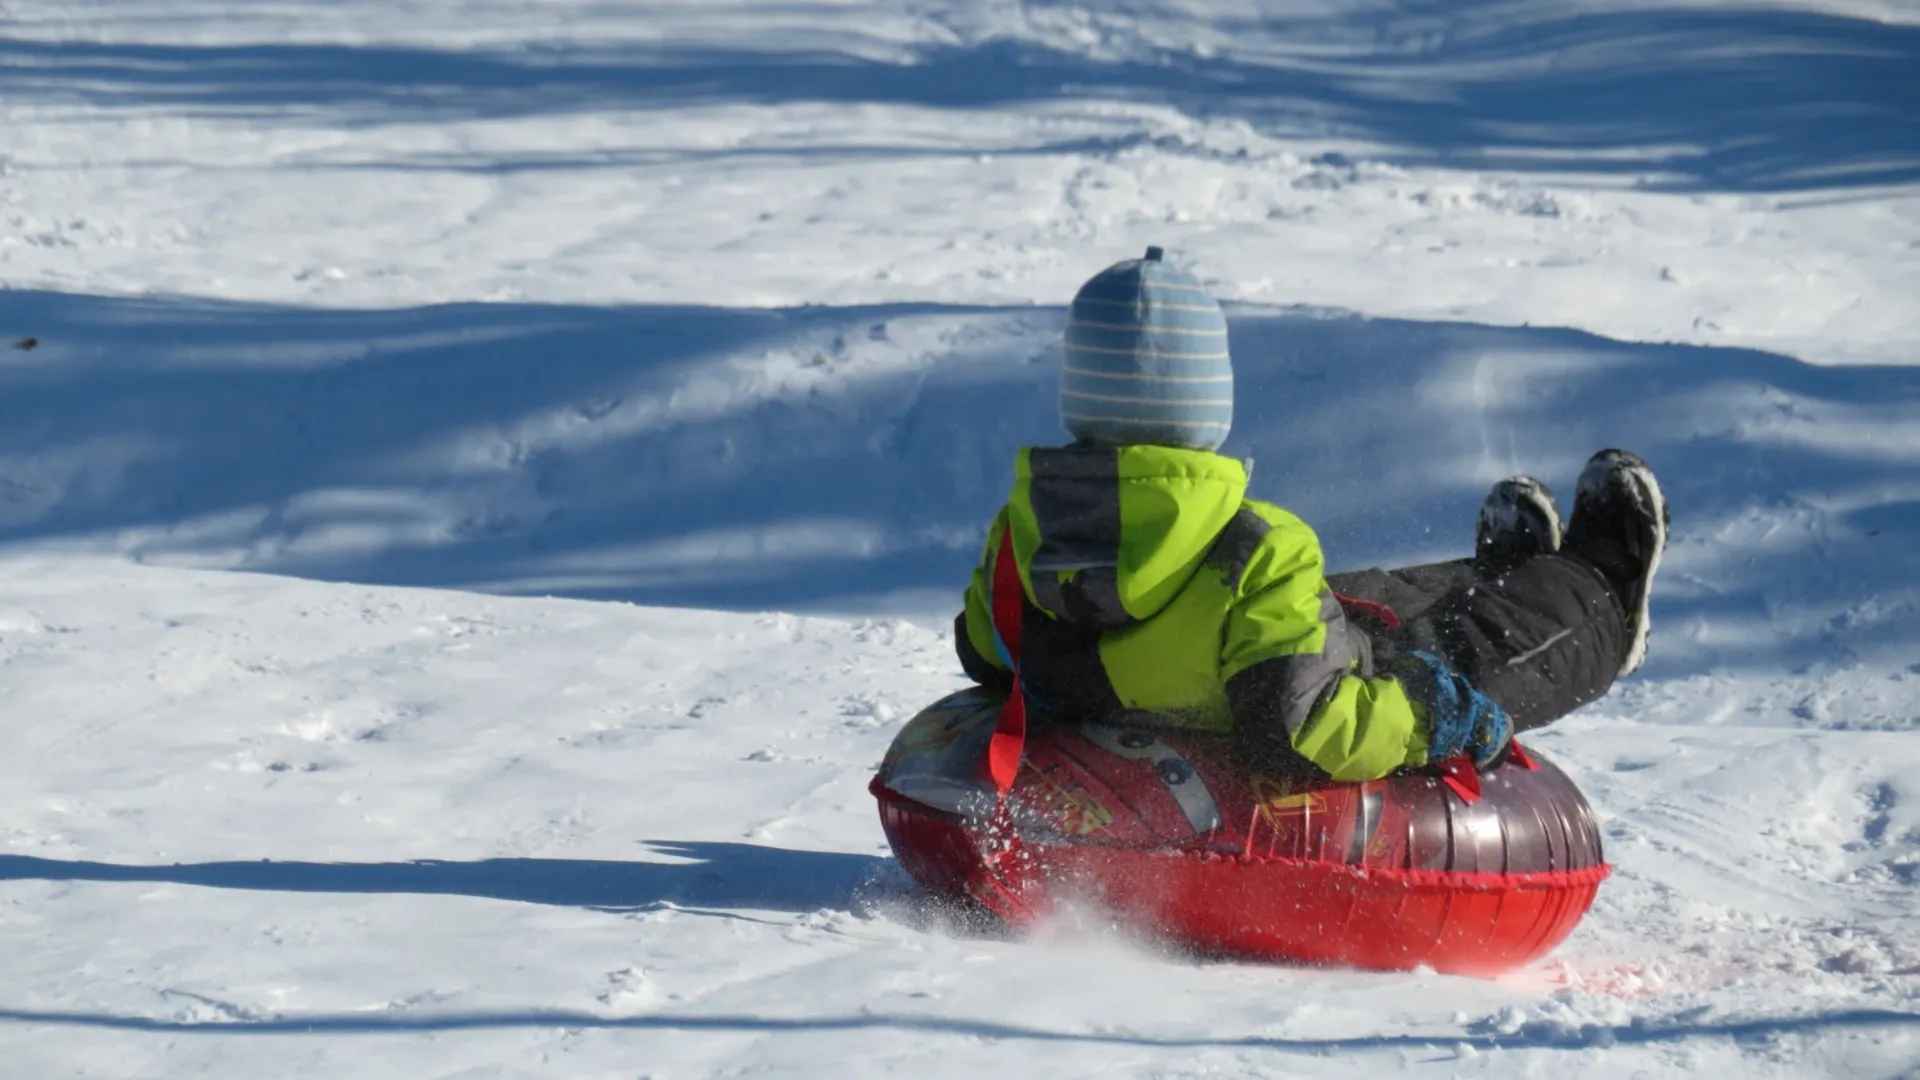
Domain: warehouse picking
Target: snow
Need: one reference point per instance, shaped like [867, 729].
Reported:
[489, 479]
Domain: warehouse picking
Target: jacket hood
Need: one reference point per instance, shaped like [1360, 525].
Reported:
[1106, 536]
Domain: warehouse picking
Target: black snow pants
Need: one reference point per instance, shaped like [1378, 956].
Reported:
[1541, 639]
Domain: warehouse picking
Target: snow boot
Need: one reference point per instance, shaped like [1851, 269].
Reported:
[1518, 520]
[1619, 525]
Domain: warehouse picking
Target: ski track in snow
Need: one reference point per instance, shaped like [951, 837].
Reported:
[482, 483]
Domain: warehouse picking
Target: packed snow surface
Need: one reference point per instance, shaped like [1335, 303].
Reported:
[481, 483]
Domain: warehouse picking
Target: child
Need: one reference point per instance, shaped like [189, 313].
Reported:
[1157, 594]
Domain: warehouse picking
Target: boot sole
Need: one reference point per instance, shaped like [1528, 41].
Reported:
[1646, 491]
[1507, 517]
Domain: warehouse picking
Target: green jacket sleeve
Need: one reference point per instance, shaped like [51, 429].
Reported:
[1292, 670]
[973, 630]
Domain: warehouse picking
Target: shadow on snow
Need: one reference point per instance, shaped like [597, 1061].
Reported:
[1742, 99]
[1538, 1036]
[838, 459]
[716, 875]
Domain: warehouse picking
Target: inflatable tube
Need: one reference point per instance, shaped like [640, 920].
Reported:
[1162, 831]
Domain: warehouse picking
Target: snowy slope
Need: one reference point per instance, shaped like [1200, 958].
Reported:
[649, 851]
[1715, 173]
[729, 307]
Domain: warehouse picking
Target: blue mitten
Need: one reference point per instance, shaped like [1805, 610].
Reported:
[1460, 719]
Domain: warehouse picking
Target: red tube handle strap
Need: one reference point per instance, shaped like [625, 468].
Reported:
[1008, 599]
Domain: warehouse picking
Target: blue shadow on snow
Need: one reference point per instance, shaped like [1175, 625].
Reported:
[716, 875]
[830, 458]
[1535, 1036]
[1743, 98]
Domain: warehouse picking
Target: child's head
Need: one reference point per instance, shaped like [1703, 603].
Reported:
[1147, 359]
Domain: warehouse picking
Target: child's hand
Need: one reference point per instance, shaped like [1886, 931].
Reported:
[1460, 719]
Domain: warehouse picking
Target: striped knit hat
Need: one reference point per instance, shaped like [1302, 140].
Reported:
[1147, 359]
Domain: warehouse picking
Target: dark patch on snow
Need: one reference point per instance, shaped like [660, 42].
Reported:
[708, 875]
[1880, 803]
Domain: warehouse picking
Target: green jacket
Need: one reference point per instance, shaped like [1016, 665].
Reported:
[1158, 593]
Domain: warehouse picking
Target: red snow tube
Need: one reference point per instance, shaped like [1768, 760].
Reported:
[1163, 832]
